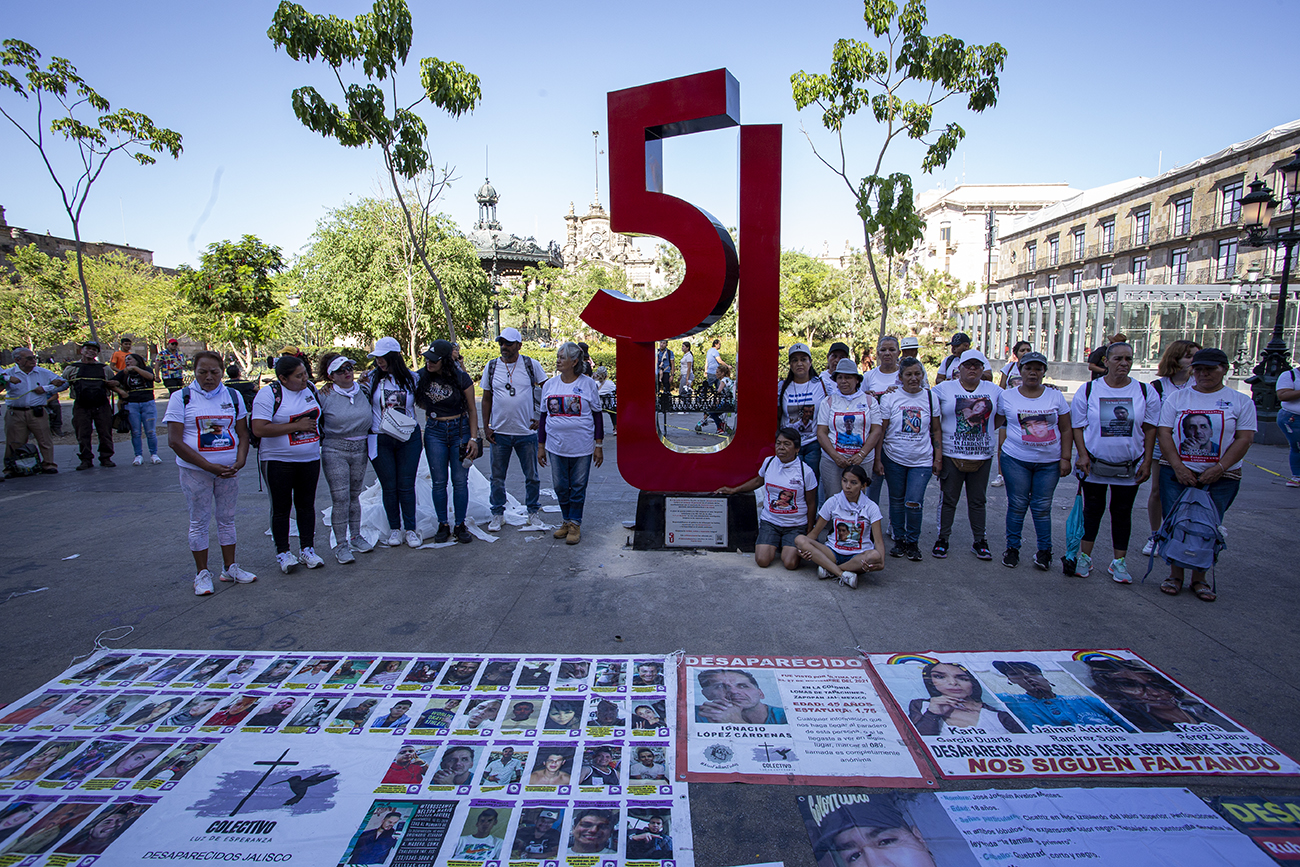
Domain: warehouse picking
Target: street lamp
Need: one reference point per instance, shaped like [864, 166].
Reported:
[1257, 209]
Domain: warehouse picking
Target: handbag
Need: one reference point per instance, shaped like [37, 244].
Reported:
[968, 465]
[397, 425]
[121, 424]
[1111, 470]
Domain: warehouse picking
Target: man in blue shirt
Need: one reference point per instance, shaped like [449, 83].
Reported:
[1041, 706]
[733, 696]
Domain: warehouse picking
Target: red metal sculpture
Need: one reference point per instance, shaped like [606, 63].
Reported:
[639, 119]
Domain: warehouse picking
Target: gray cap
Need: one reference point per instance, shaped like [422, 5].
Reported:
[799, 347]
[847, 366]
[1033, 356]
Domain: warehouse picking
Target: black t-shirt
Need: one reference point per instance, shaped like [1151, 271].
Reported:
[439, 398]
[88, 383]
[1098, 357]
[139, 389]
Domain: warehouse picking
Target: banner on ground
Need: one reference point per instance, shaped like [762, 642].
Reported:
[789, 719]
[500, 760]
[1154, 827]
[1272, 821]
[1063, 713]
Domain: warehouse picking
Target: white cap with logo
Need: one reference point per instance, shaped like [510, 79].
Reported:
[385, 345]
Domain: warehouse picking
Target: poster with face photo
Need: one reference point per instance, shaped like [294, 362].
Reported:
[781, 500]
[849, 431]
[1199, 433]
[1116, 416]
[216, 432]
[1038, 428]
[973, 414]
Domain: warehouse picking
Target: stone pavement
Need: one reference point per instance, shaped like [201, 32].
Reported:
[529, 594]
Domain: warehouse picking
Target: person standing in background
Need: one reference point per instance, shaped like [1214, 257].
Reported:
[171, 367]
[27, 389]
[92, 408]
[141, 411]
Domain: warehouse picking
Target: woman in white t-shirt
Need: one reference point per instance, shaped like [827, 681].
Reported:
[207, 428]
[396, 462]
[848, 428]
[570, 437]
[286, 415]
[1288, 419]
[1175, 374]
[909, 454]
[1011, 370]
[855, 543]
[1034, 428]
[789, 501]
[1205, 431]
[1114, 419]
[798, 396]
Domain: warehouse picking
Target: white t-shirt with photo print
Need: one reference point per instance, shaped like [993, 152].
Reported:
[570, 409]
[296, 447]
[850, 523]
[783, 489]
[848, 419]
[799, 406]
[209, 423]
[967, 418]
[1204, 425]
[1112, 420]
[907, 436]
[1033, 434]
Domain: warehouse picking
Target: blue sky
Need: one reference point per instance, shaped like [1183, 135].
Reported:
[1091, 94]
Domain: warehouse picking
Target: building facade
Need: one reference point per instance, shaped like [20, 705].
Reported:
[13, 237]
[1158, 259]
[588, 239]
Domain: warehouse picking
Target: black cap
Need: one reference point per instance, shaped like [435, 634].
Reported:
[1033, 356]
[879, 813]
[439, 350]
[1210, 357]
[959, 338]
[94, 343]
[840, 347]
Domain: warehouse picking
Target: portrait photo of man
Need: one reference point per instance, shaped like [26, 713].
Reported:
[648, 673]
[456, 767]
[1037, 701]
[1199, 439]
[734, 696]
[593, 831]
[537, 837]
[873, 833]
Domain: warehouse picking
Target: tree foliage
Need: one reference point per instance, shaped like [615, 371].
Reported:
[361, 277]
[233, 289]
[106, 133]
[380, 42]
[900, 84]
[552, 299]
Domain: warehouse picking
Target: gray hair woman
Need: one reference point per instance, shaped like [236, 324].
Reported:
[571, 430]
[345, 425]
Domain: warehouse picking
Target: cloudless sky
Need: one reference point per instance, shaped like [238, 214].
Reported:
[1091, 93]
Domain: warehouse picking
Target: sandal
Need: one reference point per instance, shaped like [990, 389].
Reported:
[1203, 592]
[1172, 587]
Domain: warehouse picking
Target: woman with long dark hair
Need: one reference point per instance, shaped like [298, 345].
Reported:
[956, 702]
[798, 396]
[451, 433]
[396, 461]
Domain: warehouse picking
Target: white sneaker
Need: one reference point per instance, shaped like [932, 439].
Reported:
[413, 539]
[1149, 546]
[822, 573]
[1082, 566]
[494, 525]
[343, 553]
[203, 583]
[395, 539]
[137, 461]
[361, 546]
[849, 580]
[287, 562]
[535, 522]
[998, 482]
[1119, 572]
[237, 574]
[154, 459]
[308, 558]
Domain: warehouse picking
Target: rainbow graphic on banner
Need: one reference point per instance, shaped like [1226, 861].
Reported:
[908, 658]
[1088, 655]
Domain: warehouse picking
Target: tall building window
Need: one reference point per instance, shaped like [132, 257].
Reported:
[1108, 234]
[1225, 261]
[1030, 284]
[1051, 282]
[945, 232]
[1107, 275]
[1142, 226]
[1230, 204]
[1178, 266]
[1032, 255]
[1053, 251]
[1183, 215]
[1076, 278]
[1139, 269]
[1078, 243]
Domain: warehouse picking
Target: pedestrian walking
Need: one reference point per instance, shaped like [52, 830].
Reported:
[344, 430]
[395, 450]
[512, 390]
[286, 416]
[570, 437]
[451, 440]
[607, 390]
[1037, 441]
[207, 429]
[141, 411]
[28, 388]
[1114, 420]
[1205, 432]
[965, 414]
[91, 382]
[1288, 419]
[911, 451]
[171, 366]
[687, 370]
[1175, 373]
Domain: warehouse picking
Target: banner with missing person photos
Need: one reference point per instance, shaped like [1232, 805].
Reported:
[809, 720]
[500, 760]
[1066, 713]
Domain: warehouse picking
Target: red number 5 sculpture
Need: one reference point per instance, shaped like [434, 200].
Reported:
[640, 118]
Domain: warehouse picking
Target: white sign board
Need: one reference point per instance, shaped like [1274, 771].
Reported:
[695, 522]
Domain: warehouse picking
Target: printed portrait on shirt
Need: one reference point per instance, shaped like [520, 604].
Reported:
[564, 404]
[1037, 428]
[781, 500]
[973, 414]
[215, 434]
[910, 421]
[848, 534]
[801, 418]
[395, 398]
[302, 437]
[850, 431]
[1200, 435]
[1116, 416]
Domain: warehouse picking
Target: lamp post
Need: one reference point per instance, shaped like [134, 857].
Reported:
[1257, 209]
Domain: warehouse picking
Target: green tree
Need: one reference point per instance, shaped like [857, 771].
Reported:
[810, 297]
[901, 84]
[360, 276]
[562, 295]
[380, 42]
[39, 307]
[234, 289]
[109, 132]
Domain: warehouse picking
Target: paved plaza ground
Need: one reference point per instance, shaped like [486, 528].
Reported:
[529, 594]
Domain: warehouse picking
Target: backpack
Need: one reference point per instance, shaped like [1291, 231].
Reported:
[1190, 535]
[532, 380]
[90, 391]
[24, 460]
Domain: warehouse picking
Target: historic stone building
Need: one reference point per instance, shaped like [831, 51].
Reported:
[589, 239]
[1156, 258]
[13, 237]
[504, 256]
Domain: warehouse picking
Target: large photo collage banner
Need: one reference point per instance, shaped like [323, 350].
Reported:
[1062, 713]
[348, 758]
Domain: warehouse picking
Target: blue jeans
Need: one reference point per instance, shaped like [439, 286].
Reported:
[1290, 424]
[906, 499]
[396, 465]
[442, 442]
[1222, 492]
[524, 445]
[145, 415]
[1030, 487]
[811, 455]
[569, 477]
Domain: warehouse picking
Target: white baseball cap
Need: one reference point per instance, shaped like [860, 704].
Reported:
[385, 345]
[510, 335]
[337, 363]
[973, 355]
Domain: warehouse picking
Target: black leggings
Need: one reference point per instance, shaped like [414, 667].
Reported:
[1121, 512]
[293, 485]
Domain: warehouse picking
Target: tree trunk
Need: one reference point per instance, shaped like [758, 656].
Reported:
[419, 246]
[81, 275]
